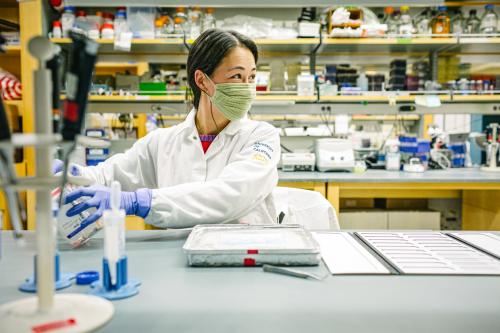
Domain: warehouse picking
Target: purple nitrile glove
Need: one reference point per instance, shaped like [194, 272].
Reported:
[58, 165]
[134, 203]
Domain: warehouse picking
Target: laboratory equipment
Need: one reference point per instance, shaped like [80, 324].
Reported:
[423, 23]
[334, 155]
[115, 283]
[472, 24]
[414, 165]
[298, 161]
[61, 280]
[293, 272]
[71, 228]
[67, 20]
[305, 85]
[308, 29]
[8, 174]
[208, 20]
[441, 23]
[406, 26]
[251, 245]
[87, 277]
[489, 21]
[490, 143]
[457, 22]
[78, 313]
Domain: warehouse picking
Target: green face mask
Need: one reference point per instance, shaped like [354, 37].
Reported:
[233, 99]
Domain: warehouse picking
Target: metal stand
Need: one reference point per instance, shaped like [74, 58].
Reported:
[73, 312]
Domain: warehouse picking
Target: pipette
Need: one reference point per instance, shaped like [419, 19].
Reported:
[114, 220]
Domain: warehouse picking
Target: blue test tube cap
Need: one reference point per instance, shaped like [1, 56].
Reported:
[87, 277]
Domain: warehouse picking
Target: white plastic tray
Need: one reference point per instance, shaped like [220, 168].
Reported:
[251, 245]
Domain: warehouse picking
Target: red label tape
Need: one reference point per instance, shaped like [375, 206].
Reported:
[55, 325]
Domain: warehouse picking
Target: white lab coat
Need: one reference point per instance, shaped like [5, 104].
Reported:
[232, 182]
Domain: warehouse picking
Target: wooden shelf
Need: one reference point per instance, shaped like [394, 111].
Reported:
[12, 50]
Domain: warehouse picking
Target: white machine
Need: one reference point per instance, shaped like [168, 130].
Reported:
[334, 155]
[492, 145]
[298, 161]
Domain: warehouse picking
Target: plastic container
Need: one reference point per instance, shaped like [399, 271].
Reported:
[489, 21]
[141, 22]
[67, 20]
[56, 29]
[441, 23]
[251, 245]
[70, 228]
[107, 31]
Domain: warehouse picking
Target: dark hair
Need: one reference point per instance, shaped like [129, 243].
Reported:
[209, 49]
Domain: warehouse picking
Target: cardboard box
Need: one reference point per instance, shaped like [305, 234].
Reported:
[414, 220]
[363, 219]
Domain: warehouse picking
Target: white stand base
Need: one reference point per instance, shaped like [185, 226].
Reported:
[489, 169]
[70, 313]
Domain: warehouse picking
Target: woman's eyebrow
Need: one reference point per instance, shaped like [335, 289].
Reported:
[240, 67]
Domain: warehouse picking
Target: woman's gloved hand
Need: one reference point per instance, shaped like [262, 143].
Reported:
[134, 203]
[58, 165]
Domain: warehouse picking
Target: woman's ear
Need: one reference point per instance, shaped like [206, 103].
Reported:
[203, 83]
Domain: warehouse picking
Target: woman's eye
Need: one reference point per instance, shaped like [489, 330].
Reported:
[236, 76]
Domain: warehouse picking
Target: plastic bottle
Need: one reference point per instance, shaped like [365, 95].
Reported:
[56, 29]
[208, 20]
[362, 82]
[195, 22]
[441, 23]
[120, 23]
[67, 20]
[107, 31]
[457, 22]
[424, 23]
[489, 21]
[473, 23]
[81, 22]
[392, 28]
[406, 26]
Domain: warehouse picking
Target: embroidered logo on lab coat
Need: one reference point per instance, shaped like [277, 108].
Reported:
[263, 152]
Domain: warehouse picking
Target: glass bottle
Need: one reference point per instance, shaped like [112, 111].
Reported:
[406, 26]
[195, 22]
[208, 20]
[392, 27]
[441, 23]
[457, 22]
[473, 23]
[489, 21]
[181, 24]
[424, 23]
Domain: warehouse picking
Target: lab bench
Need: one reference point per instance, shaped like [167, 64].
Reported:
[478, 190]
[174, 297]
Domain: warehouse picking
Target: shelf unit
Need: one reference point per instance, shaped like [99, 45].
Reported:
[457, 44]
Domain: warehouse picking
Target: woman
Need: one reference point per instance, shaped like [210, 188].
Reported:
[215, 167]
